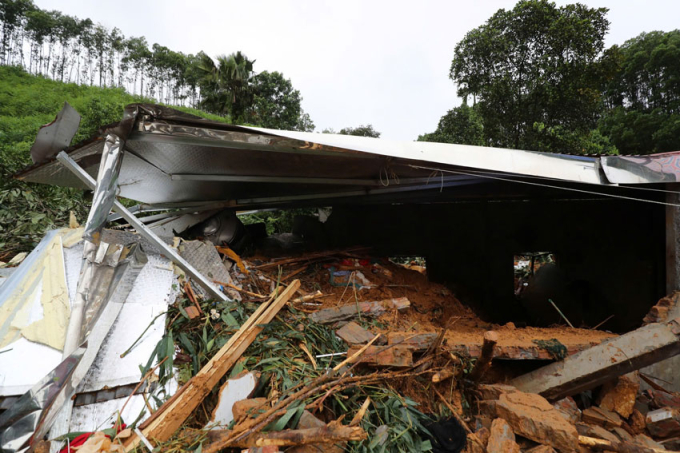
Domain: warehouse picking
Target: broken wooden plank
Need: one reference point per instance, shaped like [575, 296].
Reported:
[384, 356]
[169, 417]
[416, 341]
[601, 363]
[368, 309]
[352, 333]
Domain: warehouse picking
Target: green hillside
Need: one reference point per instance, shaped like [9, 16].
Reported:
[26, 103]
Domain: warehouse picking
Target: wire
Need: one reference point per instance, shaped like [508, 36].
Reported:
[592, 192]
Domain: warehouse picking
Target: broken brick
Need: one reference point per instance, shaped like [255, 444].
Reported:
[501, 438]
[664, 422]
[619, 395]
[395, 356]
[532, 416]
[352, 333]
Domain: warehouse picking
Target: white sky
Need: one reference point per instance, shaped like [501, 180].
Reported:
[380, 62]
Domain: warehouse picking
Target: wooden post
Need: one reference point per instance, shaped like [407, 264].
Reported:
[484, 361]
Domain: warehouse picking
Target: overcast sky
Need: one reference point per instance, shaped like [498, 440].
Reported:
[355, 62]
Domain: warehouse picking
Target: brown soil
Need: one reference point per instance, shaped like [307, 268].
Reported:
[433, 306]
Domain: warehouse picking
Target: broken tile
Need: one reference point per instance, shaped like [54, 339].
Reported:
[532, 416]
[595, 431]
[192, 312]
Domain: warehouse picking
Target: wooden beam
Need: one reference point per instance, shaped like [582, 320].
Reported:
[599, 364]
[175, 411]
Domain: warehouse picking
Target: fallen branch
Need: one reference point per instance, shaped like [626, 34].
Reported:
[331, 433]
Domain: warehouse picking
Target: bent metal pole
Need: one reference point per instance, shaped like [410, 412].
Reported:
[144, 231]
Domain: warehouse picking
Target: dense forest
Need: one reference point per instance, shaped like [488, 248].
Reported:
[539, 77]
[73, 50]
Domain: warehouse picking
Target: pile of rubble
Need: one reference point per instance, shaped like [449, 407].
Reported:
[347, 351]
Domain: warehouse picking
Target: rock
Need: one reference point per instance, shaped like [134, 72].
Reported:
[660, 399]
[483, 421]
[602, 417]
[672, 444]
[619, 395]
[541, 449]
[501, 438]
[647, 441]
[663, 423]
[532, 416]
[568, 408]
[487, 408]
[595, 431]
[473, 445]
[483, 435]
[494, 391]
[636, 421]
[247, 408]
[622, 434]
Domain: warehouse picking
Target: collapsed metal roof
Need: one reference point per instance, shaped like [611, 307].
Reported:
[175, 159]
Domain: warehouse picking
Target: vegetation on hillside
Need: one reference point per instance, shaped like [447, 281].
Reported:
[26, 103]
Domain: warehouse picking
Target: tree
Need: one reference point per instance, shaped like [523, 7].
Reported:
[461, 125]
[644, 96]
[535, 64]
[276, 104]
[361, 131]
[226, 85]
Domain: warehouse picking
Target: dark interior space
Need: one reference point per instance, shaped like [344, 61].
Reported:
[609, 253]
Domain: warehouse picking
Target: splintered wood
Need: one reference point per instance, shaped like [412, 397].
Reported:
[368, 309]
[168, 419]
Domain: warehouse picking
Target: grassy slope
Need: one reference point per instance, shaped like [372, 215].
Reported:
[26, 103]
